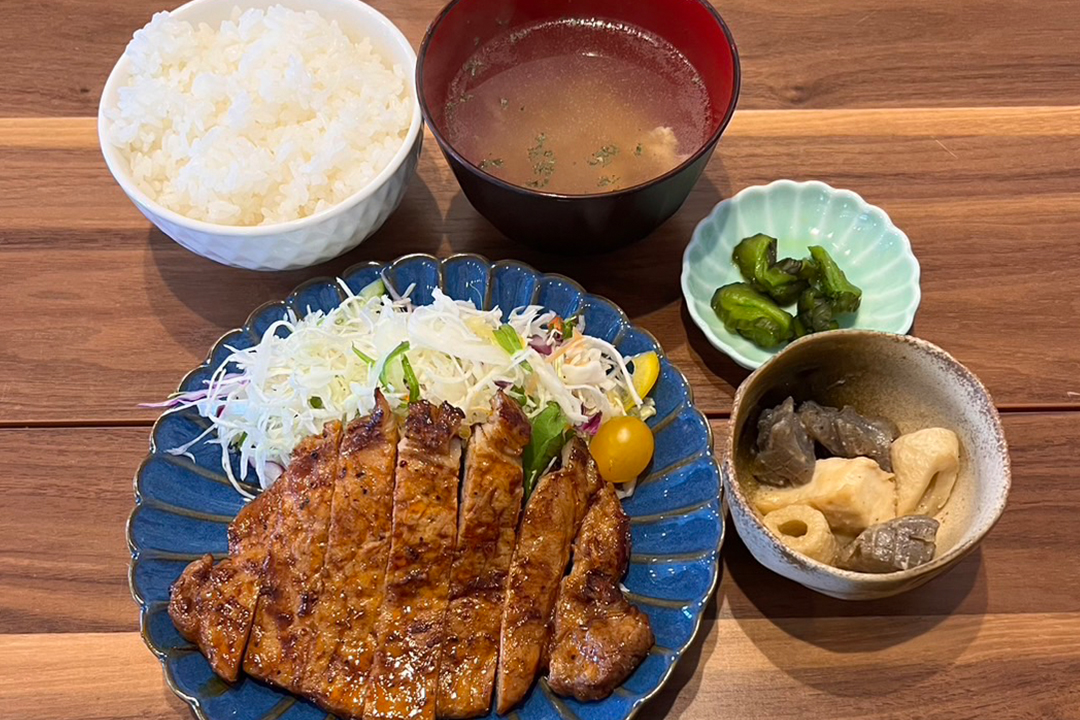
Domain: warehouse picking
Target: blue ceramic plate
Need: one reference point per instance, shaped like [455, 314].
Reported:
[182, 508]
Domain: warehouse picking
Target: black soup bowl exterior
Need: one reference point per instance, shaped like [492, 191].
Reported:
[578, 224]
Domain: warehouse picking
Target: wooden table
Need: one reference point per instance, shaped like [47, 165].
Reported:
[959, 118]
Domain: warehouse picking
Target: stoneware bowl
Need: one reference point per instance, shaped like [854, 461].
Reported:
[297, 243]
[914, 383]
[577, 224]
[873, 253]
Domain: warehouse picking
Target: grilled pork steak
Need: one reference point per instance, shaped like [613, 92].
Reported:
[490, 506]
[599, 638]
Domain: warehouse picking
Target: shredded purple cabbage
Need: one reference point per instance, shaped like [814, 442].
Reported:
[272, 470]
[194, 396]
[592, 425]
[540, 345]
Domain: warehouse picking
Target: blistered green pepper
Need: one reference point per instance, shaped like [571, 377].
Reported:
[755, 257]
[745, 311]
[815, 312]
[832, 283]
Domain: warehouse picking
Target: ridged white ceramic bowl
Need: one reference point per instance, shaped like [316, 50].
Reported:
[310, 240]
[872, 252]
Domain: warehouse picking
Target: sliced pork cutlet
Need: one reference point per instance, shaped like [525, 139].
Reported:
[599, 638]
[490, 507]
[404, 676]
[213, 605]
[283, 633]
[548, 526]
[253, 527]
[355, 568]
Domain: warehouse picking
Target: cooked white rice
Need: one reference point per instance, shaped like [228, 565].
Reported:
[273, 116]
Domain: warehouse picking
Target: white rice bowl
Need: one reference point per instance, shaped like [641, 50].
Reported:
[273, 116]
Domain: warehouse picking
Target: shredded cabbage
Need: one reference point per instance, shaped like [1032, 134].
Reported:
[265, 399]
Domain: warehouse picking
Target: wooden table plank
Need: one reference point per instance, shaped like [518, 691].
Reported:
[92, 676]
[988, 197]
[1003, 666]
[884, 667]
[53, 580]
[830, 53]
[63, 552]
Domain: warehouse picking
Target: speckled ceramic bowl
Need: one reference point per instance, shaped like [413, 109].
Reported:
[910, 381]
[872, 252]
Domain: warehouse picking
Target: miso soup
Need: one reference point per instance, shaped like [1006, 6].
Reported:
[577, 107]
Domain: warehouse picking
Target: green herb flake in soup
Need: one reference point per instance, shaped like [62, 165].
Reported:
[604, 155]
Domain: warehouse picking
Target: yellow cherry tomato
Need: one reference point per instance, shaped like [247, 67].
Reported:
[646, 371]
[622, 449]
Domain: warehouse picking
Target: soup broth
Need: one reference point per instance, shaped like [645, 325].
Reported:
[577, 107]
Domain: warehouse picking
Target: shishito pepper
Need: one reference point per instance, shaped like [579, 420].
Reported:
[816, 312]
[755, 257]
[830, 281]
[745, 311]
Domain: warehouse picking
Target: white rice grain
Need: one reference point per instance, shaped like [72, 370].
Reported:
[273, 116]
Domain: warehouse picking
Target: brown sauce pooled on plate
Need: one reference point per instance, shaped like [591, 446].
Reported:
[577, 107]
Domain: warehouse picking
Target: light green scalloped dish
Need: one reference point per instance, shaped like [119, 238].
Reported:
[872, 252]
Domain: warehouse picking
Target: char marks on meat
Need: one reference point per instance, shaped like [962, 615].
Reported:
[549, 524]
[355, 581]
[599, 638]
[490, 506]
[213, 605]
[404, 676]
[283, 632]
[354, 572]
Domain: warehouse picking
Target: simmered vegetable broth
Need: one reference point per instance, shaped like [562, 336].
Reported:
[577, 107]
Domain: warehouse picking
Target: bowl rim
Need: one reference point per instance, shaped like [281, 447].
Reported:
[696, 239]
[118, 166]
[703, 148]
[734, 491]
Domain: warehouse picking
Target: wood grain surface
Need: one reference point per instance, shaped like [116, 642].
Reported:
[768, 648]
[961, 119]
[817, 54]
[988, 196]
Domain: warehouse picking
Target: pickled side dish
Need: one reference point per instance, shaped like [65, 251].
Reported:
[754, 308]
